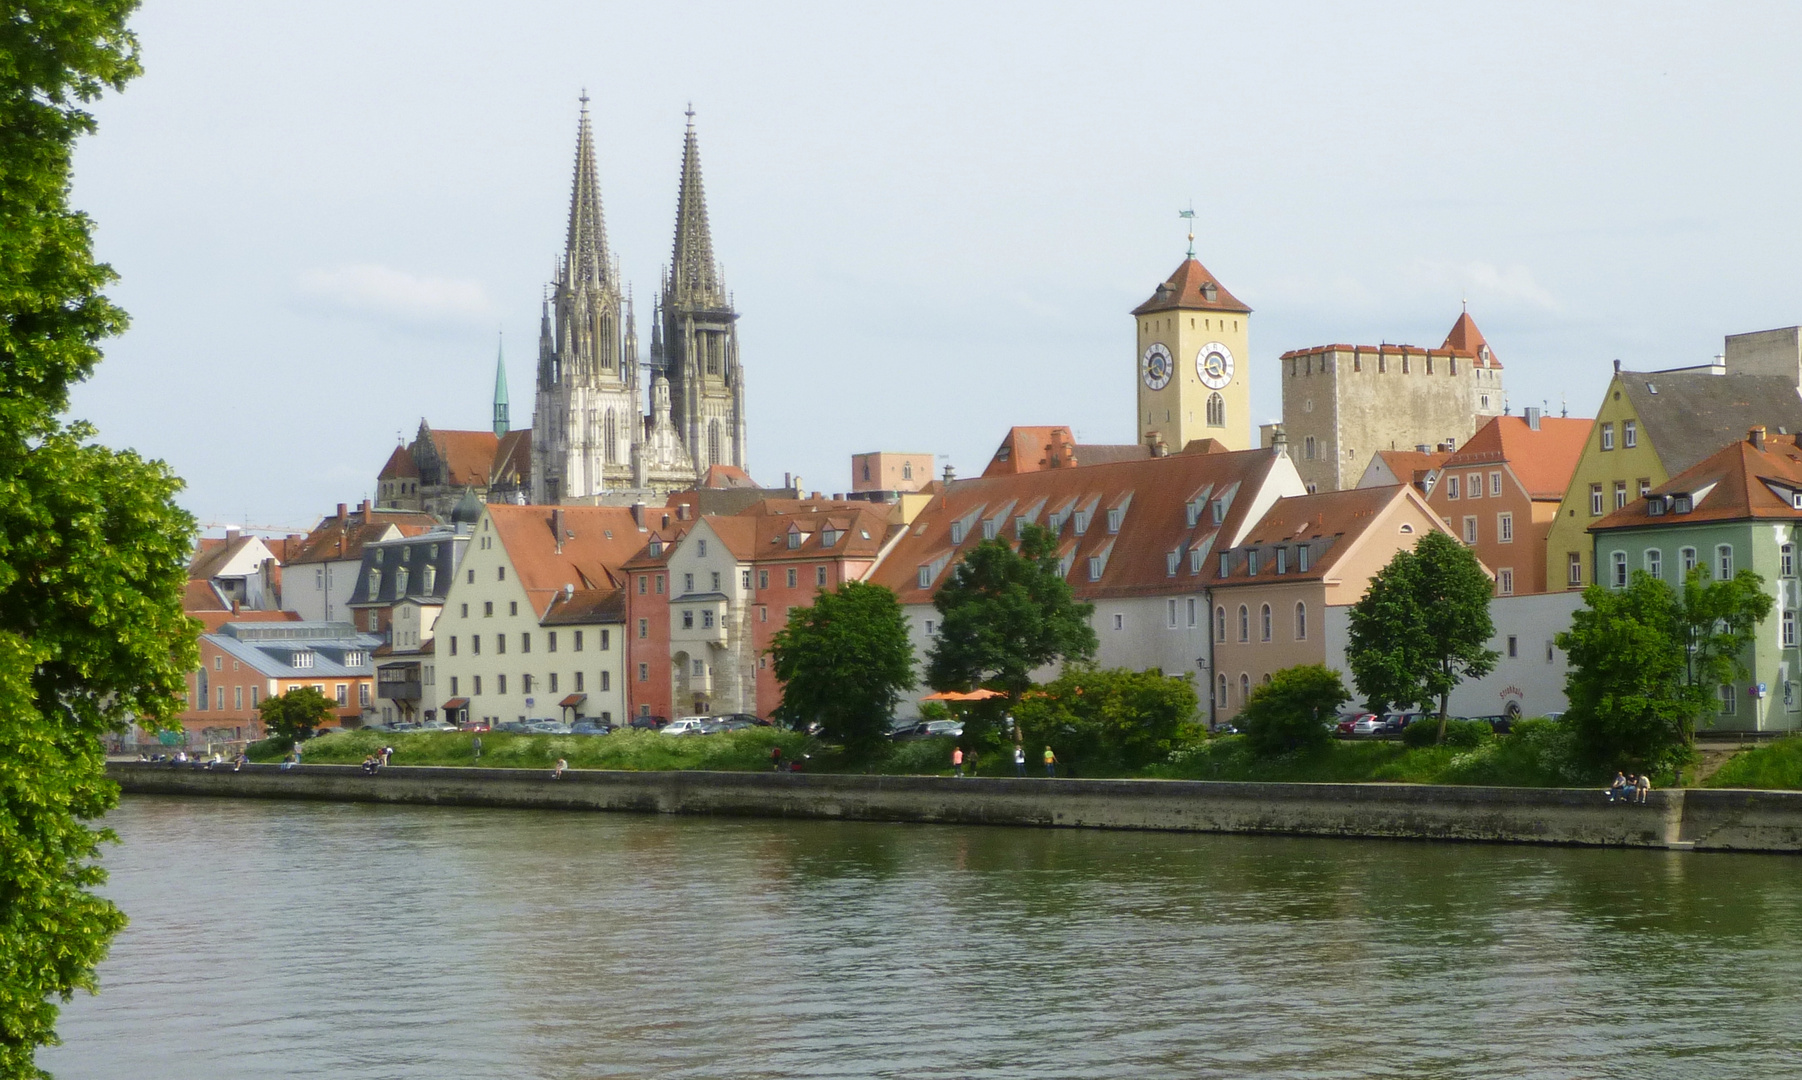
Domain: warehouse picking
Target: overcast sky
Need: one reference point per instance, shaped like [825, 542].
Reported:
[935, 219]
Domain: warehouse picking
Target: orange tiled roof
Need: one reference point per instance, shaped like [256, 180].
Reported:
[1737, 480]
[202, 595]
[211, 555]
[1467, 339]
[727, 476]
[400, 465]
[597, 541]
[1184, 290]
[512, 459]
[1542, 460]
[336, 538]
[1330, 523]
[1412, 466]
[468, 456]
[582, 606]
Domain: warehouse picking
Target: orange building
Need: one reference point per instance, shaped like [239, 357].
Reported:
[1500, 493]
[243, 662]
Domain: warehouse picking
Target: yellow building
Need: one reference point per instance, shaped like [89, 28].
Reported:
[1194, 360]
[1651, 426]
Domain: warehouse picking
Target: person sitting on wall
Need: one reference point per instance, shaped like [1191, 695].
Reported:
[371, 764]
[1642, 788]
[1618, 789]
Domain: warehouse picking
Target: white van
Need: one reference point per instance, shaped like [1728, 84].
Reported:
[687, 725]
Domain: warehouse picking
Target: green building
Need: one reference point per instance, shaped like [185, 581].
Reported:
[1738, 509]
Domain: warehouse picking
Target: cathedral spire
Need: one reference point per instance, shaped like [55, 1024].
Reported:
[694, 277]
[585, 254]
[500, 390]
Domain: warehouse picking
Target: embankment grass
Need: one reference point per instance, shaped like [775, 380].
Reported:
[731, 751]
[1507, 761]
[1775, 766]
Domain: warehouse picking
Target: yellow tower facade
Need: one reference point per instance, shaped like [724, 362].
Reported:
[1194, 363]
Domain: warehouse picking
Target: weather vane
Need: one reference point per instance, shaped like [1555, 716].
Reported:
[1189, 215]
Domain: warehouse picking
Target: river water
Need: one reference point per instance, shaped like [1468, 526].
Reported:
[298, 940]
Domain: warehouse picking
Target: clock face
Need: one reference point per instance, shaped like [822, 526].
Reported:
[1156, 367]
[1214, 363]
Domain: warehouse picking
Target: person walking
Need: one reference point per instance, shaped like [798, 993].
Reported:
[776, 758]
[1050, 762]
[1019, 760]
[557, 772]
[297, 751]
[957, 760]
[475, 744]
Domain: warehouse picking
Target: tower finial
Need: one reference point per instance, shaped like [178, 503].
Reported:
[1466, 303]
[584, 99]
[1189, 215]
[690, 113]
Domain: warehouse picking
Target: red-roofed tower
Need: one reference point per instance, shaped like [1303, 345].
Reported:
[1193, 362]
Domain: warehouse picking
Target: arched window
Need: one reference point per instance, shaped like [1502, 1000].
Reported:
[1216, 411]
[1220, 625]
[1220, 691]
[713, 442]
[713, 357]
[610, 439]
[1244, 687]
[1244, 624]
[1301, 622]
[1264, 621]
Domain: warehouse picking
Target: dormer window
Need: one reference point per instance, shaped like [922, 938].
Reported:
[656, 549]
[1682, 504]
[302, 660]
[794, 539]
[1113, 520]
[375, 584]
[353, 659]
[1082, 522]
[829, 537]
[1193, 514]
[1282, 560]
[957, 532]
[1170, 562]
[925, 576]
[1655, 506]
[1251, 562]
[1301, 559]
[1219, 511]
[988, 529]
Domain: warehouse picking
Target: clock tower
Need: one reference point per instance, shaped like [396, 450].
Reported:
[1193, 362]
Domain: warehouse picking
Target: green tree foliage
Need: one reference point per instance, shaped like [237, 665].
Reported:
[1004, 614]
[1422, 628]
[1646, 661]
[1294, 710]
[845, 661]
[296, 715]
[93, 550]
[1110, 718]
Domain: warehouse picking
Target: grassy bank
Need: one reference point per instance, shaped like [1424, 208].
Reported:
[1775, 765]
[732, 751]
[1534, 759]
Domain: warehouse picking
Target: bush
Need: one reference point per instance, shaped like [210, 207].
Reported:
[1106, 719]
[1293, 710]
[1464, 734]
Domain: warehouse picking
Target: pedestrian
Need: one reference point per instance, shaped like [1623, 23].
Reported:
[297, 751]
[1642, 788]
[776, 758]
[1019, 760]
[957, 760]
[1050, 762]
[387, 754]
[557, 772]
[239, 762]
[972, 762]
[476, 744]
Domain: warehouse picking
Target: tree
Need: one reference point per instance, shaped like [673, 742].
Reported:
[1422, 628]
[295, 715]
[1111, 716]
[93, 550]
[845, 661]
[1645, 662]
[1004, 614]
[1294, 710]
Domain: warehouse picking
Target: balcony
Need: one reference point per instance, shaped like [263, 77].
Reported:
[398, 691]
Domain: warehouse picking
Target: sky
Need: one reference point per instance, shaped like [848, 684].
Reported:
[934, 218]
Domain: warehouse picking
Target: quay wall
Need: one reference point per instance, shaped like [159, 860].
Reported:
[1701, 820]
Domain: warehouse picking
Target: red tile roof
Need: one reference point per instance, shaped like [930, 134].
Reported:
[1542, 460]
[336, 538]
[727, 476]
[1029, 449]
[580, 607]
[211, 555]
[1331, 523]
[1412, 466]
[1465, 338]
[202, 595]
[1733, 484]
[468, 456]
[597, 541]
[1184, 290]
[512, 460]
[400, 466]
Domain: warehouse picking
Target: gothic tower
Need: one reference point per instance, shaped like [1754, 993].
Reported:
[586, 420]
[501, 423]
[695, 336]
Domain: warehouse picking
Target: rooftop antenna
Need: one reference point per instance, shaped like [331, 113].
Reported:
[1563, 409]
[1189, 216]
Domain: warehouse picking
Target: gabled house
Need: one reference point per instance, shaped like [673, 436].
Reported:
[239, 569]
[322, 570]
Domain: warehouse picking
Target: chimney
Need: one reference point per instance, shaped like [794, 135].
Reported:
[1279, 440]
[1756, 436]
[950, 474]
[234, 605]
[365, 509]
[638, 515]
[785, 481]
[557, 526]
[1617, 367]
[342, 511]
[231, 534]
[1531, 413]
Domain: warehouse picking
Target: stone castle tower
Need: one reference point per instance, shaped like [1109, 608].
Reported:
[695, 337]
[591, 434]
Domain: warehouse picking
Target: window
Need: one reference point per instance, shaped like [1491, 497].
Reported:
[1216, 411]
[453, 645]
[1251, 562]
[644, 584]
[238, 693]
[744, 579]
[1244, 624]
[253, 692]
[706, 618]
[1629, 433]
[550, 644]
[1244, 687]
[525, 642]
[1573, 574]
[1308, 447]
[513, 607]
[500, 684]
[1170, 611]
[700, 668]
[715, 579]
[925, 576]
[1113, 519]
[1301, 559]
[1504, 528]
[476, 681]
[1301, 622]
[1513, 646]
[343, 694]
[1789, 629]
[500, 573]
[1220, 624]
[1645, 486]
[1220, 691]
[1473, 485]
[1119, 621]
[1595, 500]
[1687, 556]
[819, 575]
[1282, 560]
[688, 583]
[553, 686]
[1620, 494]
[701, 547]
[465, 611]
[1264, 621]
[1655, 562]
[688, 620]
[644, 675]
[794, 539]
[792, 577]
[1619, 561]
[487, 609]
[1094, 568]
[606, 644]
[1723, 562]
[579, 680]
[1495, 483]
[1504, 582]
[1191, 603]
[1786, 560]
[763, 580]
[658, 585]
[1451, 487]
[500, 644]
[644, 629]
[1608, 436]
[1226, 564]
[1729, 699]
[1470, 530]
[606, 680]
[472, 577]
[453, 685]
[302, 659]
[1171, 560]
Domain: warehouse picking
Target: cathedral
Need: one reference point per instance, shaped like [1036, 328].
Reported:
[593, 439]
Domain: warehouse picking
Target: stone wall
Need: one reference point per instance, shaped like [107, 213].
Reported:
[1702, 820]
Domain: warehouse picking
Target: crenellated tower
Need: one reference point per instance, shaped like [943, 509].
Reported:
[589, 401]
[694, 341]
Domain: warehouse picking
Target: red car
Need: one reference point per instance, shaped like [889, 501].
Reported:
[1350, 720]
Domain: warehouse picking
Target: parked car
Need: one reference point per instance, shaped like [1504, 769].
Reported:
[589, 726]
[518, 727]
[547, 727]
[713, 726]
[435, 725]
[1396, 722]
[1500, 723]
[746, 720]
[1367, 725]
[687, 725]
[928, 729]
[476, 727]
[648, 723]
[1350, 720]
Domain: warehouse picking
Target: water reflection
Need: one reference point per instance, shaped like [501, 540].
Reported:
[362, 941]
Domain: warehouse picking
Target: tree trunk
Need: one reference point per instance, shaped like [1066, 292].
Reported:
[1444, 704]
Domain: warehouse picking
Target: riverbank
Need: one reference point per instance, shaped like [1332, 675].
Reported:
[1702, 820]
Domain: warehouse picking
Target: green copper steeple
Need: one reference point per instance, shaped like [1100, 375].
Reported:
[500, 391]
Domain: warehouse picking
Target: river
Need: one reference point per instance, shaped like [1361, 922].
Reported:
[360, 942]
